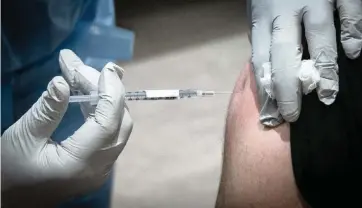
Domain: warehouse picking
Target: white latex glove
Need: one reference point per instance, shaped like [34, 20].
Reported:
[350, 14]
[36, 171]
[276, 38]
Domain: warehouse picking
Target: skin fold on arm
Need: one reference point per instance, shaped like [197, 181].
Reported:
[257, 167]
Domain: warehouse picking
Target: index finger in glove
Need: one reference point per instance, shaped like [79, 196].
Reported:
[350, 14]
[79, 76]
[321, 37]
[101, 129]
[260, 40]
[82, 79]
[286, 58]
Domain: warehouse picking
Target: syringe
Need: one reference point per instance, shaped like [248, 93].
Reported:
[93, 98]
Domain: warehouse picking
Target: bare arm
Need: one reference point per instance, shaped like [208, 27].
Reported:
[257, 169]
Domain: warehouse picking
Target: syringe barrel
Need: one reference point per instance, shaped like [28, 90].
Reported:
[153, 95]
[161, 94]
[93, 98]
[166, 94]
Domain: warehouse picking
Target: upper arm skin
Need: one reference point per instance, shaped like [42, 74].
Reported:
[257, 168]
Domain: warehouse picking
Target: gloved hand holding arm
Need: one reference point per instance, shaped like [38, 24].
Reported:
[276, 38]
[39, 172]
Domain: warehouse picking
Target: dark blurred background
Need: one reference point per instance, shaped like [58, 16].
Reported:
[170, 24]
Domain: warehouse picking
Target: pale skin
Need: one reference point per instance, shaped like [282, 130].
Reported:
[257, 167]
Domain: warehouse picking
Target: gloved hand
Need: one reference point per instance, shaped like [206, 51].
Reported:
[36, 171]
[276, 38]
[350, 14]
